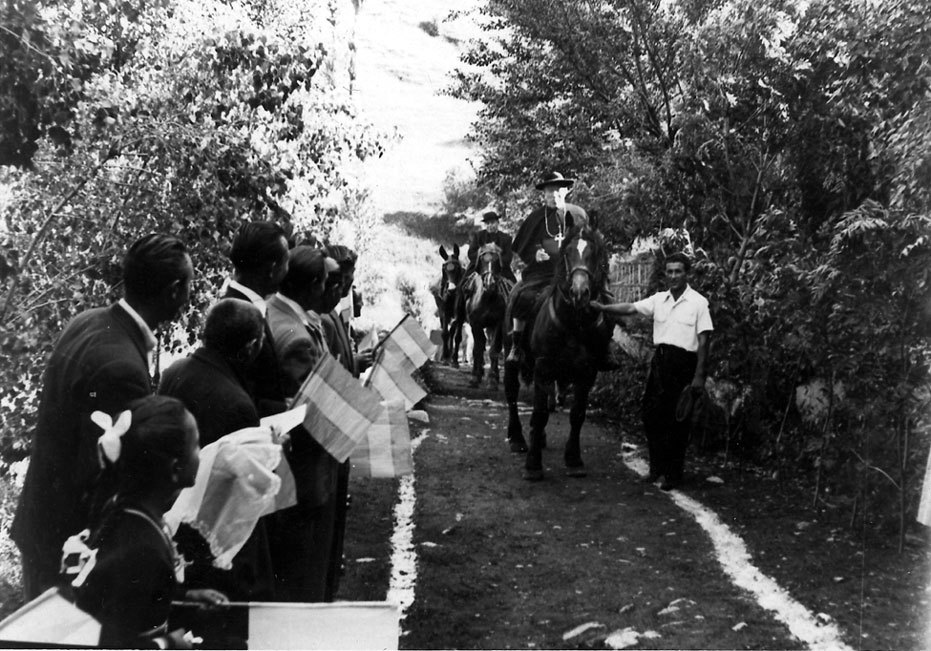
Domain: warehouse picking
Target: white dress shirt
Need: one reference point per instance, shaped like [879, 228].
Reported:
[677, 322]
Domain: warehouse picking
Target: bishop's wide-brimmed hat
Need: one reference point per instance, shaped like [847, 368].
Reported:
[490, 216]
[557, 179]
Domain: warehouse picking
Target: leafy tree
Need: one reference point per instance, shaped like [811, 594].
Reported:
[190, 117]
[790, 140]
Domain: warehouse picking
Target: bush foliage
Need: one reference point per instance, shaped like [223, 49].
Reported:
[792, 142]
[122, 118]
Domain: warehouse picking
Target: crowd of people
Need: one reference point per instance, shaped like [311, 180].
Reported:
[112, 450]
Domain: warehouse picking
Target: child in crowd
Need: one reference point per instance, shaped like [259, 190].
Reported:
[129, 582]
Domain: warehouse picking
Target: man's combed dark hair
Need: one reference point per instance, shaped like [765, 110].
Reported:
[231, 324]
[256, 245]
[306, 266]
[678, 257]
[345, 257]
[153, 263]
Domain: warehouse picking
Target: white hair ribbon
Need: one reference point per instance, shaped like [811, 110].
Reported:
[109, 444]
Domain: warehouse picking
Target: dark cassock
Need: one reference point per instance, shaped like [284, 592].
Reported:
[545, 228]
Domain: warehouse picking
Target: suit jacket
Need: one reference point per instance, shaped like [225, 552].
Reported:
[213, 391]
[264, 380]
[503, 240]
[338, 342]
[99, 363]
[299, 346]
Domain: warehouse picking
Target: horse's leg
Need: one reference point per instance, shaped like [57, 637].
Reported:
[573, 454]
[478, 355]
[533, 466]
[455, 340]
[516, 439]
[494, 354]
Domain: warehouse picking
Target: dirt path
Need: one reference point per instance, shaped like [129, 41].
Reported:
[602, 561]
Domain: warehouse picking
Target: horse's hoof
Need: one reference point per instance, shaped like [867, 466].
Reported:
[518, 446]
[576, 471]
[533, 475]
[454, 363]
[474, 382]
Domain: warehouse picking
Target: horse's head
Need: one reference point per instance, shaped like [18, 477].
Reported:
[452, 269]
[582, 265]
[488, 263]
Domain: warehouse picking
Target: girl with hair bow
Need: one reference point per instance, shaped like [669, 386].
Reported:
[128, 569]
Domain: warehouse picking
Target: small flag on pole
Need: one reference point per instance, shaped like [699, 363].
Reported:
[410, 338]
[339, 409]
[390, 376]
[386, 449]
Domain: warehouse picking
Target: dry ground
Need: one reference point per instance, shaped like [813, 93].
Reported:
[503, 563]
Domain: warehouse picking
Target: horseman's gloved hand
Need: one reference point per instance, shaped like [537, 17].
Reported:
[542, 255]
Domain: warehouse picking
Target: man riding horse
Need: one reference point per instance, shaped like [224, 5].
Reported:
[537, 243]
[491, 235]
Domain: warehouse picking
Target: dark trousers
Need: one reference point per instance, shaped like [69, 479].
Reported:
[38, 575]
[671, 371]
[301, 547]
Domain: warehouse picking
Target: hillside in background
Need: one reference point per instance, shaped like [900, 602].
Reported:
[401, 70]
[404, 52]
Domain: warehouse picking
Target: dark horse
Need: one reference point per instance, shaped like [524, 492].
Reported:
[485, 294]
[449, 304]
[566, 340]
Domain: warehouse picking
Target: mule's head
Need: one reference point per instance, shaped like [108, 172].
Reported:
[452, 269]
[582, 265]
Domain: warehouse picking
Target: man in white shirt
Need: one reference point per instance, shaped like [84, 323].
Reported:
[681, 325]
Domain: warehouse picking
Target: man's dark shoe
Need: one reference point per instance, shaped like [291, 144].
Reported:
[669, 485]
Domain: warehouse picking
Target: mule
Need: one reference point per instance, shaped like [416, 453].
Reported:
[567, 340]
[485, 294]
[449, 305]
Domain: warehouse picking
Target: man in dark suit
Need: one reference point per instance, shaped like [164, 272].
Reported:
[303, 537]
[100, 363]
[211, 385]
[491, 235]
[260, 261]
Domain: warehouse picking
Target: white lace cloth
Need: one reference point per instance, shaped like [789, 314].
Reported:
[241, 477]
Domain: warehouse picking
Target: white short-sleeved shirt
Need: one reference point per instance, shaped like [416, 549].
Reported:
[677, 322]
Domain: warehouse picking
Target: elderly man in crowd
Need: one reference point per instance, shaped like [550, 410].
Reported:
[211, 383]
[100, 363]
[303, 538]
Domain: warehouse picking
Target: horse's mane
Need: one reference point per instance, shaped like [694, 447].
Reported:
[600, 256]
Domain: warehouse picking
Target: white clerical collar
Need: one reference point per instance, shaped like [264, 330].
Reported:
[253, 296]
[298, 310]
[147, 335]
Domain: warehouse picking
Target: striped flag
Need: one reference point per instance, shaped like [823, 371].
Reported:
[390, 376]
[339, 409]
[410, 338]
[386, 449]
